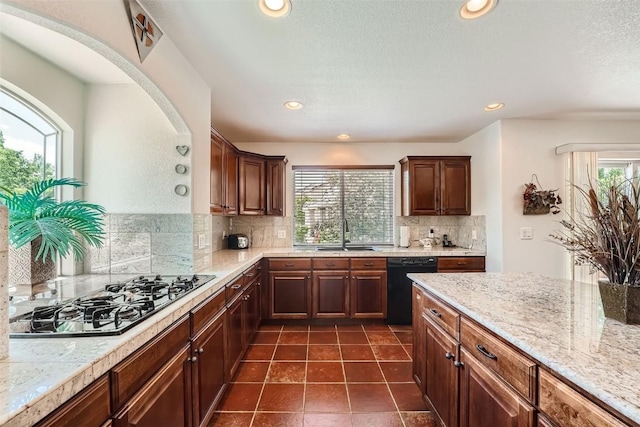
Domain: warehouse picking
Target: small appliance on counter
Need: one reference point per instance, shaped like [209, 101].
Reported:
[238, 241]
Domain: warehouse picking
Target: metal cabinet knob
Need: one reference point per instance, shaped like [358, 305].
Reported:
[449, 355]
[201, 350]
[193, 359]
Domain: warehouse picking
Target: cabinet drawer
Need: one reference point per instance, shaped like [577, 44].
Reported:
[132, 373]
[88, 408]
[234, 288]
[368, 263]
[283, 264]
[441, 314]
[251, 273]
[568, 408]
[516, 369]
[330, 263]
[203, 313]
[465, 263]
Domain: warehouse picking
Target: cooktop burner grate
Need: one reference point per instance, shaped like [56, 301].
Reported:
[110, 312]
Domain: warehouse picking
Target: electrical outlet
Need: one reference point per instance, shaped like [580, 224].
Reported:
[474, 234]
[224, 234]
[201, 241]
[526, 233]
[282, 234]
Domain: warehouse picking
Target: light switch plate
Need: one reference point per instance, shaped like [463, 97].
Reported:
[282, 234]
[526, 233]
[474, 234]
[201, 241]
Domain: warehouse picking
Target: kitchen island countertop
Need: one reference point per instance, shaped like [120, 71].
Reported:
[560, 323]
[42, 373]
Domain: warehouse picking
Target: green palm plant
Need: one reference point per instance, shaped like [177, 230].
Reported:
[59, 226]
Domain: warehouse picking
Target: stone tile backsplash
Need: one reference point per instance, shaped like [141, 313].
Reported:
[183, 243]
[459, 229]
[145, 244]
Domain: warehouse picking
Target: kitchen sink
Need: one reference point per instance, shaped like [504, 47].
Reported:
[361, 248]
[330, 248]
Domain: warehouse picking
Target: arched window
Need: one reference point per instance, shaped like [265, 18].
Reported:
[28, 143]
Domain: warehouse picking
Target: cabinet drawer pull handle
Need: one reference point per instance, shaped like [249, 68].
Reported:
[330, 264]
[485, 352]
[449, 355]
[462, 263]
[435, 312]
[250, 274]
[368, 264]
[289, 264]
[236, 286]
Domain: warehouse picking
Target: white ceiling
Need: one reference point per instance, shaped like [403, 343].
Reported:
[404, 70]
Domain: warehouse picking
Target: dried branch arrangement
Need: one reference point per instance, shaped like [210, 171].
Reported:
[607, 236]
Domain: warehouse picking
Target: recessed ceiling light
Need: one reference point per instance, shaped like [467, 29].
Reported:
[293, 105]
[275, 8]
[344, 136]
[493, 107]
[473, 9]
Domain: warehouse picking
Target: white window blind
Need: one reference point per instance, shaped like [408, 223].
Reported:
[346, 205]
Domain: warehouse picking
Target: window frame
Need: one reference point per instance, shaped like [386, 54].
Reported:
[342, 168]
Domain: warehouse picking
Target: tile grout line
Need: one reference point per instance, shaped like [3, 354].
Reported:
[264, 382]
[344, 373]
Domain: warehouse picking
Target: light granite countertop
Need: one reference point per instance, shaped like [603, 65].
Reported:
[42, 373]
[559, 323]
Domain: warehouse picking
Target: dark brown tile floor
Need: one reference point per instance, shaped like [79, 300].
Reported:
[351, 376]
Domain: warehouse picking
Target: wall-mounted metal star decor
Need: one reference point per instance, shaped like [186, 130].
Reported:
[145, 31]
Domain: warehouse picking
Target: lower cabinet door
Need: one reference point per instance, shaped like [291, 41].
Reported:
[441, 375]
[486, 401]
[208, 371]
[165, 400]
[330, 291]
[418, 340]
[290, 295]
[368, 294]
[235, 336]
[251, 300]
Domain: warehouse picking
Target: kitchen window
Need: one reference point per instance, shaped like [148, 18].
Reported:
[343, 205]
[28, 144]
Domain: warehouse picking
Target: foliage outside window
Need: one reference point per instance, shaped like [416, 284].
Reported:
[28, 145]
[343, 205]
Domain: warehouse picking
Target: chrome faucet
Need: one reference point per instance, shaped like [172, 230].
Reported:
[344, 234]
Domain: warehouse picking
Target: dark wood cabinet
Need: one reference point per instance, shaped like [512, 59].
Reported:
[235, 336]
[252, 185]
[368, 294]
[441, 372]
[461, 264]
[209, 382]
[330, 294]
[165, 400]
[275, 185]
[436, 185]
[486, 401]
[91, 408]
[544, 422]
[223, 176]
[290, 294]
[419, 364]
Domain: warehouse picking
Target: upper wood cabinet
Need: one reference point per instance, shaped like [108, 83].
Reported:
[436, 185]
[244, 183]
[252, 185]
[223, 176]
[275, 185]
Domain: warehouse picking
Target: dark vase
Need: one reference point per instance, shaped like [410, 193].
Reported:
[620, 302]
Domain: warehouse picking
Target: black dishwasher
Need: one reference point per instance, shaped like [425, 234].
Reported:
[399, 285]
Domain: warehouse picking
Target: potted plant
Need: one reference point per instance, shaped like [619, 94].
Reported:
[45, 228]
[607, 238]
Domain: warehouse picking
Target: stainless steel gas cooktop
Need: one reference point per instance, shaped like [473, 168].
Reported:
[111, 311]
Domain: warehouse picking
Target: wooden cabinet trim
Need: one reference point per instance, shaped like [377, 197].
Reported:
[461, 264]
[330, 263]
[378, 263]
[289, 264]
[202, 314]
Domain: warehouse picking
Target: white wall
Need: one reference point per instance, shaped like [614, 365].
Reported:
[486, 180]
[166, 75]
[130, 153]
[528, 147]
[55, 92]
[349, 153]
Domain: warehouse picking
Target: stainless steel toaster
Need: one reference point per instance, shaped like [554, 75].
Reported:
[238, 241]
